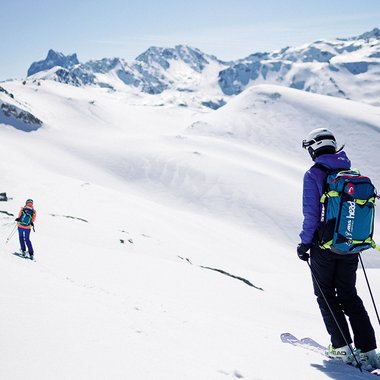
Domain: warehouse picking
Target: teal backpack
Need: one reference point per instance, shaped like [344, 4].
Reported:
[26, 216]
[348, 212]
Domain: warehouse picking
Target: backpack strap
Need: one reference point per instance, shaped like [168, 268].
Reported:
[323, 200]
[327, 171]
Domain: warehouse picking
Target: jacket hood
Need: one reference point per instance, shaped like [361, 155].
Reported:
[334, 161]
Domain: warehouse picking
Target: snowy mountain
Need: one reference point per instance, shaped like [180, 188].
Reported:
[165, 235]
[53, 59]
[345, 68]
[182, 69]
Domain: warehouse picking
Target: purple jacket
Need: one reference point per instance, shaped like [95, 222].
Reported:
[313, 182]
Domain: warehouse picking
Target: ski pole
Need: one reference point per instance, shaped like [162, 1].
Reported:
[369, 288]
[11, 234]
[333, 315]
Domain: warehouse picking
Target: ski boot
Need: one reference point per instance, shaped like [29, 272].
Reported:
[370, 360]
[343, 353]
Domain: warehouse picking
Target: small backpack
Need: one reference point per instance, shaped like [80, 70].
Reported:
[26, 216]
[348, 212]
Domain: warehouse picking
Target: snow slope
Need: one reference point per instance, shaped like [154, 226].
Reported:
[138, 206]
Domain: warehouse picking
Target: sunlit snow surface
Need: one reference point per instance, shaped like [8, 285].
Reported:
[134, 200]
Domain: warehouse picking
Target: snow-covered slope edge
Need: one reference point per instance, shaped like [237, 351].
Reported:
[15, 114]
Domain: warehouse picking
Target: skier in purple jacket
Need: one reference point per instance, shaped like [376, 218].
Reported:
[334, 275]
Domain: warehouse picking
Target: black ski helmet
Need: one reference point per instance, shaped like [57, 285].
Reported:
[320, 141]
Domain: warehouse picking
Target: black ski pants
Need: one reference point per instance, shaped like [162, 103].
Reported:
[336, 276]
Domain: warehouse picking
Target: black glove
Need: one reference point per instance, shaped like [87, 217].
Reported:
[32, 224]
[302, 251]
[17, 219]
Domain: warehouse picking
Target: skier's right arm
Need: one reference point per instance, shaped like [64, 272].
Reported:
[19, 216]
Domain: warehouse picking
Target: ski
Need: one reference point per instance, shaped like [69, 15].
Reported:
[312, 345]
[23, 256]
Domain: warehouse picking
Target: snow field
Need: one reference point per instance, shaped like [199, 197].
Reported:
[133, 202]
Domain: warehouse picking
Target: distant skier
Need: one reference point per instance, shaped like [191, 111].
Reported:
[25, 221]
[334, 275]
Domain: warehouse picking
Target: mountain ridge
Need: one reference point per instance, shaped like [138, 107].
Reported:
[346, 67]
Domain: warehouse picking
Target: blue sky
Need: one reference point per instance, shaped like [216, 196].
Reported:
[230, 29]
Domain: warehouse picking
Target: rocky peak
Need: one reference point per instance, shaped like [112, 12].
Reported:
[374, 33]
[53, 59]
[162, 56]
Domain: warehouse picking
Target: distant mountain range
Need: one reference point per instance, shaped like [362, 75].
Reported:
[320, 67]
[153, 72]
[347, 68]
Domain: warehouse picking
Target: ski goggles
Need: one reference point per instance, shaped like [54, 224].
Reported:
[307, 143]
